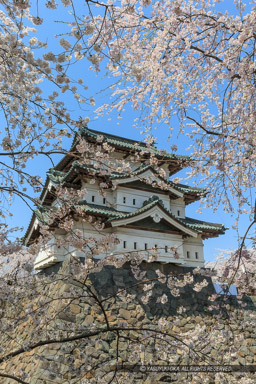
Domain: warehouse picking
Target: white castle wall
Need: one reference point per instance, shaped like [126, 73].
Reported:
[155, 242]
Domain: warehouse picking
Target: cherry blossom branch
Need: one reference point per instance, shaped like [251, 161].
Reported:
[202, 127]
[242, 245]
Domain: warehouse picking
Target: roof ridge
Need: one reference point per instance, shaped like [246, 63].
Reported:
[95, 132]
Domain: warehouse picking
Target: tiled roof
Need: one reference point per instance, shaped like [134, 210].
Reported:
[101, 210]
[203, 225]
[116, 175]
[60, 177]
[181, 187]
[118, 141]
[56, 176]
[64, 177]
[112, 214]
[187, 189]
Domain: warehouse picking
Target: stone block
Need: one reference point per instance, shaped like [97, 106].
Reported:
[125, 314]
[75, 309]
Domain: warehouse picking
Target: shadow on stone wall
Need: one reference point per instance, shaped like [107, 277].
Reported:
[110, 280]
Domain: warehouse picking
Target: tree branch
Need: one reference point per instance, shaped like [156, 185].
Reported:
[13, 378]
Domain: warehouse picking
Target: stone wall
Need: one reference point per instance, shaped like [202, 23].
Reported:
[198, 333]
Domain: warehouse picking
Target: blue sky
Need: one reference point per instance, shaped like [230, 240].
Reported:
[123, 127]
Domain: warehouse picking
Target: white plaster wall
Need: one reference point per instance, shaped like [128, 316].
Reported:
[152, 239]
[50, 254]
[93, 190]
[193, 246]
[178, 205]
[139, 196]
[115, 199]
[53, 254]
[115, 160]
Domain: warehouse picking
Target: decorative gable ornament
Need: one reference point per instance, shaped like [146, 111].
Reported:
[156, 217]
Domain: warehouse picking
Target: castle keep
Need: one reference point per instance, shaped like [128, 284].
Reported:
[140, 205]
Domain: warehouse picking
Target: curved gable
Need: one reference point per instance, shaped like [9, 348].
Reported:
[157, 213]
[148, 176]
